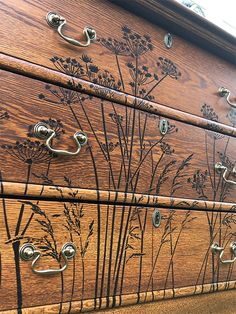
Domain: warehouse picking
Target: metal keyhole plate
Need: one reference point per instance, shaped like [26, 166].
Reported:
[163, 126]
[168, 40]
[156, 218]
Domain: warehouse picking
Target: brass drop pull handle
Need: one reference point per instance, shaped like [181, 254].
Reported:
[41, 130]
[57, 21]
[220, 250]
[29, 252]
[224, 92]
[220, 168]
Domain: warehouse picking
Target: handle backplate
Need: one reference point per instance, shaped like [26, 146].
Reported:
[28, 252]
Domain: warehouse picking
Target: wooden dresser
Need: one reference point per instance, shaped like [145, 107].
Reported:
[117, 156]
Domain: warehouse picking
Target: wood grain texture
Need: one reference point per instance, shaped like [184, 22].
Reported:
[125, 151]
[59, 193]
[64, 80]
[217, 303]
[119, 252]
[178, 18]
[201, 72]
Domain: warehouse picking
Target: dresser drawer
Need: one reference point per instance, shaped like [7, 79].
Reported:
[118, 252]
[123, 57]
[125, 150]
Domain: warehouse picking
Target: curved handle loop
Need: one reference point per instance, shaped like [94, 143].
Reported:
[41, 130]
[224, 92]
[28, 252]
[57, 21]
[219, 167]
[220, 250]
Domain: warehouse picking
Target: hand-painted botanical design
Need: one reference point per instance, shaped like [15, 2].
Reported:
[119, 238]
[220, 191]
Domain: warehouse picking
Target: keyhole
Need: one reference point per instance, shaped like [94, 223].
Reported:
[163, 126]
[156, 218]
[168, 40]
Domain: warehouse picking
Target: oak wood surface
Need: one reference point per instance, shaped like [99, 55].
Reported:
[38, 72]
[59, 193]
[201, 72]
[218, 303]
[125, 150]
[119, 252]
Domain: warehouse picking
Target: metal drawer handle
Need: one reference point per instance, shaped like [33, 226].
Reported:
[224, 92]
[28, 252]
[219, 168]
[41, 130]
[218, 249]
[57, 21]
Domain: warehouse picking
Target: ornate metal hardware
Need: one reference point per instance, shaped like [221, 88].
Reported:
[224, 92]
[216, 249]
[57, 21]
[163, 126]
[28, 252]
[41, 130]
[220, 168]
[168, 40]
[156, 218]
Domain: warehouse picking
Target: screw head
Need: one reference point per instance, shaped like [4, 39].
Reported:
[223, 91]
[69, 250]
[91, 32]
[27, 251]
[82, 138]
[54, 20]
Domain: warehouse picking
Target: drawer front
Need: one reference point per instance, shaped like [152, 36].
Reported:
[125, 150]
[183, 77]
[119, 251]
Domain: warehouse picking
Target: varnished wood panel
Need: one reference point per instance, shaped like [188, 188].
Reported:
[47, 75]
[114, 61]
[125, 151]
[217, 303]
[59, 193]
[119, 252]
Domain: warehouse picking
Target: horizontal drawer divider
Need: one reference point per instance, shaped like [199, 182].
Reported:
[44, 74]
[128, 299]
[58, 193]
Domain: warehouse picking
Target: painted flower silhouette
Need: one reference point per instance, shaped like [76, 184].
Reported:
[209, 113]
[168, 68]
[60, 95]
[105, 78]
[198, 182]
[119, 48]
[166, 148]
[137, 44]
[68, 66]
[29, 152]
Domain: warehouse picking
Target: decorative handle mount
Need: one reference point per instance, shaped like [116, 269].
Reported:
[224, 92]
[220, 168]
[57, 21]
[218, 249]
[41, 130]
[28, 252]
